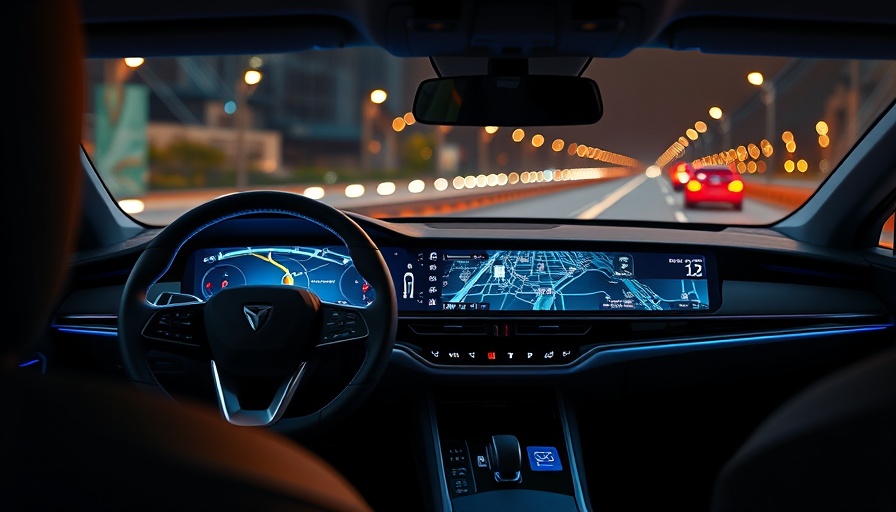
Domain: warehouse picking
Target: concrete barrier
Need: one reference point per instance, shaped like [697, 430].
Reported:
[790, 197]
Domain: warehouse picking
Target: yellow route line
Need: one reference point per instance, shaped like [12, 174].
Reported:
[270, 259]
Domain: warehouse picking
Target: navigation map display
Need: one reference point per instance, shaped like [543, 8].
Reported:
[536, 280]
[471, 281]
[327, 271]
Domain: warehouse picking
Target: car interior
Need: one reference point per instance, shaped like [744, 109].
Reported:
[137, 379]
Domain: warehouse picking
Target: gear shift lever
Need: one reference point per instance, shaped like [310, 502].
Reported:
[505, 458]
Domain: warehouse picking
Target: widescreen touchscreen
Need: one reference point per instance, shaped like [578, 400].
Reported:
[473, 280]
[536, 280]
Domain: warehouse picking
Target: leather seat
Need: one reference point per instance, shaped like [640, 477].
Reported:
[832, 447]
[69, 443]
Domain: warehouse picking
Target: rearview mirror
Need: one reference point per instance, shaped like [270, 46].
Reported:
[525, 100]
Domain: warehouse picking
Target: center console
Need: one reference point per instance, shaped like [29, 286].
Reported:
[502, 449]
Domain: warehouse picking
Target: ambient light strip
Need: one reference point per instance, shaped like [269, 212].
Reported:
[609, 354]
[612, 353]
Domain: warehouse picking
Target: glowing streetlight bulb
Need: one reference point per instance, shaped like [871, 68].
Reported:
[715, 113]
[755, 78]
[252, 77]
[133, 62]
[490, 129]
[378, 96]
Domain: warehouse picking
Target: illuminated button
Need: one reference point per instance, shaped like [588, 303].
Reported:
[544, 458]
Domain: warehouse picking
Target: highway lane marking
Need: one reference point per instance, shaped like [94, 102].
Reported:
[612, 198]
[680, 217]
[670, 200]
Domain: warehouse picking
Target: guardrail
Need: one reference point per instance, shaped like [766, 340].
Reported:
[437, 206]
[401, 202]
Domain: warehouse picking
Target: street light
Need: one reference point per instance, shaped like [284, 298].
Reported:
[370, 113]
[724, 126]
[767, 95]
[245, 86]
[485, 139]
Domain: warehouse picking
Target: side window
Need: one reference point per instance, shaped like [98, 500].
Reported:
[886, 234]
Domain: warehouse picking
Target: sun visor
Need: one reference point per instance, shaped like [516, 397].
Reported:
[499, 29]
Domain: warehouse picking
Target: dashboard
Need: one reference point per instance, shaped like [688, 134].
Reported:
[529, 298]
[473, 281]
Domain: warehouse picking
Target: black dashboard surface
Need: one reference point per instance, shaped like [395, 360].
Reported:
[757, 288]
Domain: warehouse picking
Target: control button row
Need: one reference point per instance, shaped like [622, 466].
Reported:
[503, 357]
[341, 325]
[175, 325]
[457, 468]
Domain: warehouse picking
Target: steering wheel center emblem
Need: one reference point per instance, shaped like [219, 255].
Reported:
[257, 315]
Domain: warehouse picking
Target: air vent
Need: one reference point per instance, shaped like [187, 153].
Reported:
[462, 328]
[552, 328]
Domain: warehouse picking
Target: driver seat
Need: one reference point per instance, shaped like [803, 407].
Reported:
[69, 443]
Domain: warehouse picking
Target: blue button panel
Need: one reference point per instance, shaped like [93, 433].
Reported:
[544, 458]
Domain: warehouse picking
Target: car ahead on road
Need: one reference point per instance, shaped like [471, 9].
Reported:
[679, 174]
[714, 184]
[545, 331]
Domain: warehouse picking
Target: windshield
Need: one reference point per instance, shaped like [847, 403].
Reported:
[166, 134]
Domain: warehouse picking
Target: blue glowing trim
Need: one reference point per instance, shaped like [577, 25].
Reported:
[38, 360]
[617, 353]
[92, 332]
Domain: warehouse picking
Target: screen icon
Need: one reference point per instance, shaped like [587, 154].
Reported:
[408, 288]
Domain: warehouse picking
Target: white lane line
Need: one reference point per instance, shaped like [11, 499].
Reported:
[663, 185]
[680, 217]
[612, 198]
[670, 200]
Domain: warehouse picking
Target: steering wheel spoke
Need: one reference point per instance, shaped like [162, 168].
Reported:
[235, 408]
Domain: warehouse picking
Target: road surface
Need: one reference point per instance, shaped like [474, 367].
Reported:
[638, 198]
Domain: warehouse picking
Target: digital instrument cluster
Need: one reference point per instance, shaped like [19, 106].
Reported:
[473, 281]
[327, 271]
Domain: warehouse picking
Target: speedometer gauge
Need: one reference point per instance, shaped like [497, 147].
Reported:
[220, 277]
[354, 289]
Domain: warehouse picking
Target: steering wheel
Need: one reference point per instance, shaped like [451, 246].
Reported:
[260, 333]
